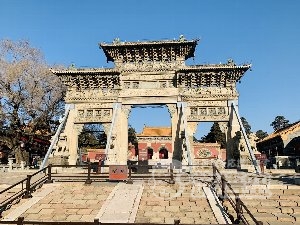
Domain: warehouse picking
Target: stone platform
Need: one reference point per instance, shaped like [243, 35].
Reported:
[272, 199]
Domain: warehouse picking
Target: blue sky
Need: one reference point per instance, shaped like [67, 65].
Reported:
[265, 33]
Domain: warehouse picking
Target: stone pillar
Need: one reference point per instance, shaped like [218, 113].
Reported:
[22, 164]
[10, 164]
[106, 127]
[192, 127]
[233, 127]
[72, 131]
[121, 131]
[73, 144]
[224, 128]
[176, 120]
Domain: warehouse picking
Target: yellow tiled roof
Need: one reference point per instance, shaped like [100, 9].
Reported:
[284, 132]
[156, 132]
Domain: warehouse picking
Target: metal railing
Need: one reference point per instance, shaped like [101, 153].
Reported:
[22, 189]
[217, 181]
[236, 203]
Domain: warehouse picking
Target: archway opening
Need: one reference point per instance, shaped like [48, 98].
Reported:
[92, 143]
[152, 124]
[163, 153]
[150, 153]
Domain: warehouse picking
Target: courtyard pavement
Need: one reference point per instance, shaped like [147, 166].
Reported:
[272, 199]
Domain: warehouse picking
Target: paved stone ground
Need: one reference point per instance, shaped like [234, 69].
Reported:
[272, 199]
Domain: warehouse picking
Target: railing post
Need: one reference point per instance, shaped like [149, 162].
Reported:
[214, 181]
[238, 208]
[99, 166]
[88, 180]
[20, 220]
[176, 222]
[49, 180]
[129, 181]
[28, 191]
[96, 221]
[224, 183]
[172, 181]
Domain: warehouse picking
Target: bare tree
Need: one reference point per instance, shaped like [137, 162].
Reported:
[31, 96]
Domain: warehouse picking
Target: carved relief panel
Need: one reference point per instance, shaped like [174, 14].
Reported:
[93, 115]
[95, 95]
[208, 113]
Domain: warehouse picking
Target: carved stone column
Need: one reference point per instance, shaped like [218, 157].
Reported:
[73, 143]
[121, 148]
[233, 127]
[191, 127]
[106, 127]
[174, 119]
[72, 131]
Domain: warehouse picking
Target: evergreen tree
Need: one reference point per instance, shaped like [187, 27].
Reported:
[215, 135]
[260, 134]
[246, 125]
[279, 123]
[132, 136]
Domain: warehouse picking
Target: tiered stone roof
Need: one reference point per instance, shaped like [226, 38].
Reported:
[153, 56]
[165, 50]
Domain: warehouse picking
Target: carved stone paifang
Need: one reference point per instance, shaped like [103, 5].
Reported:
[149, 72]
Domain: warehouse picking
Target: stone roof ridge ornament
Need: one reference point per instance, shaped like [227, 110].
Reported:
[181, 38]
[230, 62]
[116, 41]
[72, 66]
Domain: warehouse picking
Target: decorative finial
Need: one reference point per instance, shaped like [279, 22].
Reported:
[181, 37]
[116, 41]
[72, 66]
[230, 62]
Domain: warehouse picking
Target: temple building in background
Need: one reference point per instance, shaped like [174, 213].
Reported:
[283, 146]
[156, 142]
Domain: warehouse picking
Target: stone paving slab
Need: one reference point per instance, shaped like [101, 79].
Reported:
[119, 207]
[17, 212]
[161, 202]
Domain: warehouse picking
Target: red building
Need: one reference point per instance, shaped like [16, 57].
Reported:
[157, 142]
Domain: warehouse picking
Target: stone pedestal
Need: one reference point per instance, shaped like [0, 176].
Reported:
[10, 164]
[22, 164]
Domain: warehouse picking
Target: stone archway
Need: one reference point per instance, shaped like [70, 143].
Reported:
[151, 72]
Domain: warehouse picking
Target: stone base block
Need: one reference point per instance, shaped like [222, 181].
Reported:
[58, 160]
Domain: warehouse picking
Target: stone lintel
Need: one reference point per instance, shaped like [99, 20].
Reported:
[150, 92]
[149, 100]
[208, 118]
